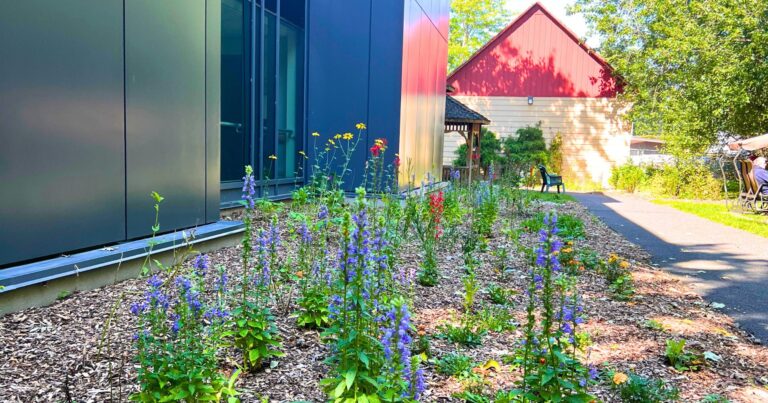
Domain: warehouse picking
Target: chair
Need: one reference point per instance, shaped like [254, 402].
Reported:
[548, 180]
[751, 196]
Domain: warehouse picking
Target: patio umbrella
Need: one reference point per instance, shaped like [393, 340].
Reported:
[755, 143]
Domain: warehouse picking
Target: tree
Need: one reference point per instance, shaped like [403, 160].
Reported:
[690, 68]
[527, 149]
[473, 23]
[490, 148]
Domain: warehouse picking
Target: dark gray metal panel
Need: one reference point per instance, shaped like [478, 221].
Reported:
[61, 126]
[212, 109]
[165, 112]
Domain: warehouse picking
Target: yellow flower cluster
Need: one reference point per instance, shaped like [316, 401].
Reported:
[624, 264]
[303, 154]
[619, 378]
[613, 258]
[337, 136]
[360, 126]
[272, 157]
[347, 136]
[315, 134]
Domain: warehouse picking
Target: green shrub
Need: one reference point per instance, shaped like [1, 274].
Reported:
[637, 389]
[688, 180]
[490, 148]
[627, 177]
[526, 149]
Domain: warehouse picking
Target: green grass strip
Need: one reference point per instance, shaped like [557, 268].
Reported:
[717, 212]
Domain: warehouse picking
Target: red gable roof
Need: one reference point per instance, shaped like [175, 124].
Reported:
[536, 55]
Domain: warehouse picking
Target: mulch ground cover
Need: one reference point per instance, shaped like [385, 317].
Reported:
[80, 348]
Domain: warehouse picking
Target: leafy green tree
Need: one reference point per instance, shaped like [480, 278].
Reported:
[527, 149]
[473, 23]
[490, 150]
[691, 68]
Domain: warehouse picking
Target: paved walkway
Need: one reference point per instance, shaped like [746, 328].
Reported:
[723, 264]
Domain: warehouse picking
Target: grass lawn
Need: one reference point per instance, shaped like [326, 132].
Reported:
[717, 212]
[550, 197]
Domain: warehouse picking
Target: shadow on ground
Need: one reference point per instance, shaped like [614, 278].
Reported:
[714, 269]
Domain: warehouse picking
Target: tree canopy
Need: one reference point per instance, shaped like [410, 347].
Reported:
[691, 68]
[473, 23]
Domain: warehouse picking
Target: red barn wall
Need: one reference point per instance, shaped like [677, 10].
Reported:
[536, 56]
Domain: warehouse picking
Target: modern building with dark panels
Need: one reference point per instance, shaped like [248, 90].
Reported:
[105, 101]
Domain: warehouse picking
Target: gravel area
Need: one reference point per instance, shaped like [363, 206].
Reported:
[80, 348]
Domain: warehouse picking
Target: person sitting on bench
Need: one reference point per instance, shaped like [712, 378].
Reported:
[760, 174]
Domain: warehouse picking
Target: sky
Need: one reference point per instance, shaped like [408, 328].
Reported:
[557, 7]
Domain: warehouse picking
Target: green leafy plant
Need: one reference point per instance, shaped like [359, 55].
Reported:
[251, 324]
[468, 336]
[370, 332]
[455, 364]
[714, 398]
[255, 334]
[569, 227]
[429, 276]
[654, 325]
[313, 309]
[590, 259]
[622, 288]
[637, 389]
[548, 354]
[497, 319]
[486, 209]
[180, 331]
[499, 295]
[681, 359]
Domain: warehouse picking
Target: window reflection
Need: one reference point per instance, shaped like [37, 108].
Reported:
[262, 89]
[269, 100]
[235, 142]
[290, 100]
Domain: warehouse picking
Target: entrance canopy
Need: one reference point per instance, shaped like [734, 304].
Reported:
[755, 143]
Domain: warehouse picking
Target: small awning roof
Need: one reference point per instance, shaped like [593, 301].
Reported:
[456, 112]
[755, 143]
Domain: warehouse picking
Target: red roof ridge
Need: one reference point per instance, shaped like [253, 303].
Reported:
[509, 26]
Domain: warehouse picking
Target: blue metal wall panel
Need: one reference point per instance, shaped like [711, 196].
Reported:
[165, 112]
[386, 65]
[338, 62]
[356, 73]
[61, 126]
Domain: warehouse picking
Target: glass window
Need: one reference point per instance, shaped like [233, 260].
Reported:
[235, 141]
[291, 100]
[269, 100]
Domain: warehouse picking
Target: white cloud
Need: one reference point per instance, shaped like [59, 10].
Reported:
[575, 23]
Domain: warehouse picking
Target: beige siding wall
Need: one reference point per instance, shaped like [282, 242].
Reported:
[595, 137]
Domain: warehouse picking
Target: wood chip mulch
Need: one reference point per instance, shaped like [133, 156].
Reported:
[80, 348]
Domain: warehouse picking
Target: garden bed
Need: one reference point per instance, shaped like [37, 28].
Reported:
[64, 352]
